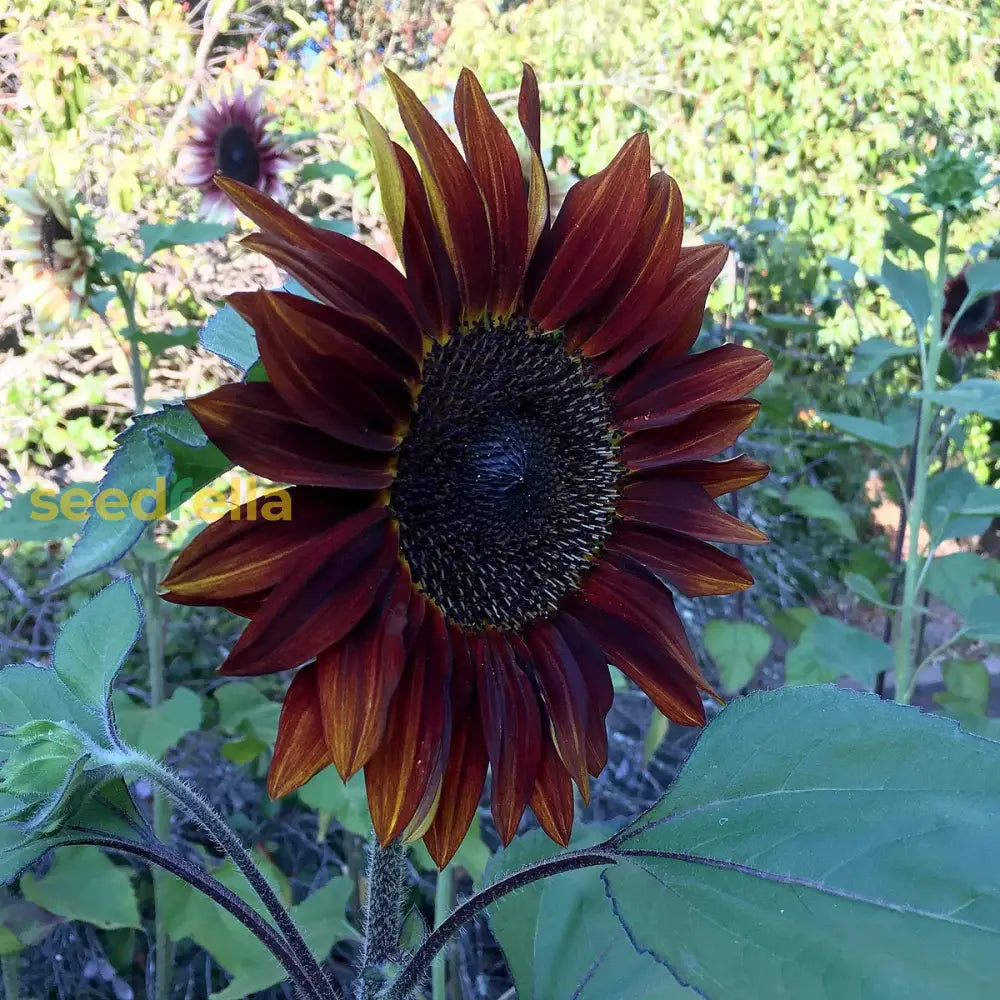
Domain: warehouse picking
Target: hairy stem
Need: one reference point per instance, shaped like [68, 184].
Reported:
[222, 896]
[444, 900]
[414, 971]
[383, 915]
[903, 657]
[10, 968]
[213, 824]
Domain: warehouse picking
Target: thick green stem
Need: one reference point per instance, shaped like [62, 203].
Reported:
[903, 653]
[444, 900]
[10, 966]
[383, 917]
[161, 804]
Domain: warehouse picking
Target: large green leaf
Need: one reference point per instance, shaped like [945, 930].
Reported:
[158, 236]
[812, 501]
[829, 648]
[560, 936]
[320, 918]
[958, 579]
[871, 354]
[873, 431]
[947, 493]
[972, 395]
[737, 649]
[85, 884]
[825, 844]
[37, 516]
[910, 290]
[166, 455]
[346, 803]
[93, 644]
[154, 730]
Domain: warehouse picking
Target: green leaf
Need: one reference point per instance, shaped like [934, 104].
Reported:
[189, 914]
[982, 279]
[812, 501]
[114, 264]
[872, 431]
[156, 730]
[93, 644]
[737, 648]
[910, 290]
[347, 803]
[30, 693]
[972, 395]
[829, 648]
[863, 587]
[37, 516]
[158, 236]
[958, 579]
[182, 336]
[243, 705]
[967, 684]
[229, 336]
[656, 733]
[845, 268]
[160, 460]
[982, 502]
[792, 622]
[871, 354]
[560, 936]
[782, 321]
[947, 493]
[902, 233]
[473, 854]
[983, 620]
[325, 171]
[85, 884]
[839, 854]
[23, 924]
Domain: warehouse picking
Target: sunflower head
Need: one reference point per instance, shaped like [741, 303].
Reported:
[232, 138]
[972, 331]
[500, 466]
[54, 259]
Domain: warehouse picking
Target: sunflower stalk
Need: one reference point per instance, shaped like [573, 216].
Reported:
[931, 360]
[383, 916]
[213, 824]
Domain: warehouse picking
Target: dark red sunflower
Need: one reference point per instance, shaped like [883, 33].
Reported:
[972, 332]
[497, 459]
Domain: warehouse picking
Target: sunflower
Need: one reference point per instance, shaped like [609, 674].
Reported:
[231, 138]
[972, 332]
[496, 459]
[52, 255]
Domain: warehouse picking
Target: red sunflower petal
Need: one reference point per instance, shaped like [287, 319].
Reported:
[429, 273]
[417, 731]
[254, 427]
[669, 391]
[328, 391]
[323, 330]
[345, 286]
[564, 692]
[552, 797]
[351, 256]
[718, 478]
[650, 648]
[591, 234]
[674, 324]
[593, 664]
[644, 274]
[392, 191]
[300, 750]
[318, 605]
[461, 788]
[529, 114]
[496, 167]
[686, 508]
[359, 675]
[512, 730]
[240, 555]
[695, 568]
[703, 434]
[455, 201]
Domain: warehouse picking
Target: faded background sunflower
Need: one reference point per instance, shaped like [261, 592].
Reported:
[789, 155]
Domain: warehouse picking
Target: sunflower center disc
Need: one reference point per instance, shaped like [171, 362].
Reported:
[505, 485]
[52, 230]
[236, 155]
